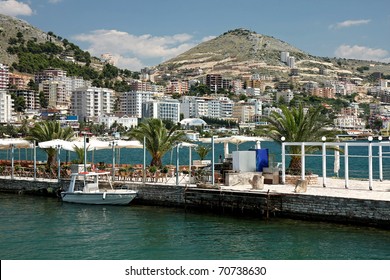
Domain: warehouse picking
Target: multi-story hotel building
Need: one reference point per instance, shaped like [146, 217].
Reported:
[4, 76]
[131, 102]
[6, 105]
[89, 103]
[168, 109]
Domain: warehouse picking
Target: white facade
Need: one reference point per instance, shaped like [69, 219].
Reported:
[284, 56]
[291, 62]
[6, 105]
[226, 109]
[214, 109]
[349, 122]
[4, 76]
[124, 120]
[168, 109]
[287, 96]
[91, 102]
[131, 102]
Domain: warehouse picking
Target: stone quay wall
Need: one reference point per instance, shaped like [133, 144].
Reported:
[261, 204]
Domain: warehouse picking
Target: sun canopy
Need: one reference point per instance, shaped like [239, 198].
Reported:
[6, 143]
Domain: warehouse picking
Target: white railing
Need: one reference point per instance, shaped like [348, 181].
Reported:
[344, 146]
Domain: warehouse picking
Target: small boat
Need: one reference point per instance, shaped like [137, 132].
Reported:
[84, 188]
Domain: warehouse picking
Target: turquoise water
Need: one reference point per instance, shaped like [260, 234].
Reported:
[44, 228]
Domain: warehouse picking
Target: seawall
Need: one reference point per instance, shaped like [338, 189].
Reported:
[361, 211]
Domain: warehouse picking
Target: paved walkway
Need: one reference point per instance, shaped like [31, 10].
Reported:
[335, 188]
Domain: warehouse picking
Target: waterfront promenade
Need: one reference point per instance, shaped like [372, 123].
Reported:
[358, 188]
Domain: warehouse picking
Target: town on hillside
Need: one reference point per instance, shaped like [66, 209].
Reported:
[229, 98]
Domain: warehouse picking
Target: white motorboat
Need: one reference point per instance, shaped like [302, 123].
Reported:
[84, 188]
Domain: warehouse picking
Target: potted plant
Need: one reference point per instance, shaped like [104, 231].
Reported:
[77, 165]
[202, 152]
[153, 169]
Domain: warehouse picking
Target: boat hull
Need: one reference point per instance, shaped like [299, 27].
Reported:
[100, 198]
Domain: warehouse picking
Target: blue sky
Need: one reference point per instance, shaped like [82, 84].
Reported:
[145, 33]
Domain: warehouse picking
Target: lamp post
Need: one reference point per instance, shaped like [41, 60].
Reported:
[58, 147]
[12, 160]
[177, 162]
[212, 161]
[35, 160]
[113, 144]
[370, 162]
[323, 161]
[283, 159]
[380, 159]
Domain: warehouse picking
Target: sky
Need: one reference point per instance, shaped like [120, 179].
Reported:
[145, 33]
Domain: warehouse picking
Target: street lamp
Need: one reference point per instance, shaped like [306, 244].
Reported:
[370, 138]
[113, 144]
[58, 147]
[283, 160]
[323, 138]
[380, 159]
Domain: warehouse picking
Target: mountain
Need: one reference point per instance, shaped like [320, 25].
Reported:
[10, 27]
[243, 52]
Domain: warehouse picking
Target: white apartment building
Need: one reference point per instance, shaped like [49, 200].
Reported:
[214, 108]
[291, 62]
[6, 107]
[284, 56]
[131, 102]
[226, 107]
[126, 121]
[349, 122]
[287, 96]
[201, 108]
[89, 103]
[4, 76]
[168, 109]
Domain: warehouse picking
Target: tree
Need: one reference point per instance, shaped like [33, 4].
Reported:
[202, 151]
[297, 126]
[158, 139]
[50, 130]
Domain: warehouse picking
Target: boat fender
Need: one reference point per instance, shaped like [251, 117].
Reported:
[104, 195]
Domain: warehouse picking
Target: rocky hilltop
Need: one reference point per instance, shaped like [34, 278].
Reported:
[243, 52]
[10, 27]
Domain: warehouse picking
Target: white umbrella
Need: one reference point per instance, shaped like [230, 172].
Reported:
[16, 142]
[56, 143]
[133, 144]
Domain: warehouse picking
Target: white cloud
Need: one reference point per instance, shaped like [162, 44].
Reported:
[54, 1]
[363, 53]
[349, 23]
[130, 49]
[208, 38]
[15, 8]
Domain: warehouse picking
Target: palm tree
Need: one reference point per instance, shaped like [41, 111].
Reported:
[158, 139]
[50, 130]
[297, 126]
[202, 151]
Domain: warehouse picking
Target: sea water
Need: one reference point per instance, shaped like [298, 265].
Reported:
[41, 228]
